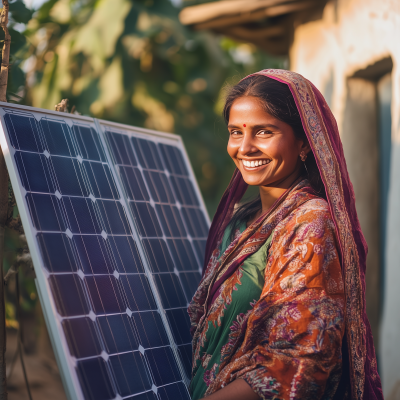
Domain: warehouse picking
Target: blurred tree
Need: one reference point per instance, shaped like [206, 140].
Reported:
[18, 18]
[133, 62]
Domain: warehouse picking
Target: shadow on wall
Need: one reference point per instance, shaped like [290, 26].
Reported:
[366, 141]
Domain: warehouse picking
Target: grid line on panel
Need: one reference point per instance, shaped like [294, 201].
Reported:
[128, 190]
[82, 267]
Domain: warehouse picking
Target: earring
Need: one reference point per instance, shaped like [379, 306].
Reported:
[303, 158]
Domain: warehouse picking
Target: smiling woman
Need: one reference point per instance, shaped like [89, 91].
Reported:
[280, 312]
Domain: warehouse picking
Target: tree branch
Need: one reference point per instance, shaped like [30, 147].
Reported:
[6, 51]
[3, 199]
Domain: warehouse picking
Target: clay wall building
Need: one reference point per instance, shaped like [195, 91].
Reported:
[350, 49]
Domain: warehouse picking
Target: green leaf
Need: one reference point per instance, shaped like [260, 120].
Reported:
[19, 12]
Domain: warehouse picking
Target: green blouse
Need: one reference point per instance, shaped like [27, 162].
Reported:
[248, 292]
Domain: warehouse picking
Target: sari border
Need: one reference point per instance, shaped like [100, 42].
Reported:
[318, 136]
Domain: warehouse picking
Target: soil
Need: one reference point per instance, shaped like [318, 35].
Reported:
[41, 369]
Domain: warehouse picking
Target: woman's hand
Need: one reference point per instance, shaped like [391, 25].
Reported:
[236, 390]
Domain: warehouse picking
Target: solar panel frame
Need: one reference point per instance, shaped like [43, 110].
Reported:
[160, 138]
[61, 349]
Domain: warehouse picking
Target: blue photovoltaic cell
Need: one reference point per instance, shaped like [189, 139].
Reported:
[71, 183]
[23, 132]
[104, 294]
[117, 333]
[170, 290]
[95, 379]
[190, 282]
[133, 183]
[158, 255]
[130, 373]
[183, 255]
[106, 306]
[180, 324]
[195, 222]
[150, 329]
[200, 247]
[147, 153]
[163, 366]
[138, 293]
[185, 354]
[35, 172]
[89, 143]
[184, 191]
[46, 212]
[69, 295]
[92, 254]
[57, 138]
[121, 149]
[171, 221]
[101, 182]
[82, 338]
[173, 159]
[57, 252]
[125, 254]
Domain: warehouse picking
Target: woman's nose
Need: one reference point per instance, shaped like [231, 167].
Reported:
[247, 145]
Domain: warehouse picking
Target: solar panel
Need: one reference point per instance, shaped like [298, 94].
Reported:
[116, 228]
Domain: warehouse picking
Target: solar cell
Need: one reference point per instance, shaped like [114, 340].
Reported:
[116, 229]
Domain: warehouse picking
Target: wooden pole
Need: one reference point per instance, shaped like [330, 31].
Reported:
[3, 220]
[5, 58]
[3, 199]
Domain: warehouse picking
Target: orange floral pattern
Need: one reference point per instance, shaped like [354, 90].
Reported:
[288, 346]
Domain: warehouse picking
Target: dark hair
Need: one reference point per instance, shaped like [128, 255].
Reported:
[279, 102]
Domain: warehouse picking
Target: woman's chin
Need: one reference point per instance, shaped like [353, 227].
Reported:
[254, 181]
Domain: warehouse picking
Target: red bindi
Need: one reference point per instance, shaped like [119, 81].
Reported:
[244, 125]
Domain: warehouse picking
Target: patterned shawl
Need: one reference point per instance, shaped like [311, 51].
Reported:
[323, 135]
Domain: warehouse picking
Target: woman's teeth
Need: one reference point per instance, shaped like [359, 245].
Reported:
[255, 163]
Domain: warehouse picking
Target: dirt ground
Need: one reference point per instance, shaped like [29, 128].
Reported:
[41, 369]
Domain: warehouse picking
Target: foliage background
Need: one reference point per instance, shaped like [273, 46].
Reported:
[130, 61]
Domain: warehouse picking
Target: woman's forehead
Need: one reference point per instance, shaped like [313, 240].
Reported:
[250, 111]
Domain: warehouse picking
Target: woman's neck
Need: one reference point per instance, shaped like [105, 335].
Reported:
[269, 194]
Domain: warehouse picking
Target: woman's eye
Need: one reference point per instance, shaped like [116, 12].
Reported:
[264, 133]
[235, 132]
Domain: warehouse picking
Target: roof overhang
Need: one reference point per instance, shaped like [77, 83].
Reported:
[269, 24]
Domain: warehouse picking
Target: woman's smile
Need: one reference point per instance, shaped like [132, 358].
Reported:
[255, 165]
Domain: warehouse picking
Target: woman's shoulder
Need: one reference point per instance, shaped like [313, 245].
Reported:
[315, 208]
[316, 204]
[312, 215]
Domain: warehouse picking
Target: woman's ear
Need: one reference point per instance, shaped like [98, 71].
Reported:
[305, 147]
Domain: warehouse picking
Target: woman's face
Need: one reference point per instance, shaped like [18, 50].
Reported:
[264, 148]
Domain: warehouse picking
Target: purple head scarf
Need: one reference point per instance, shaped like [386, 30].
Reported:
[323, 135]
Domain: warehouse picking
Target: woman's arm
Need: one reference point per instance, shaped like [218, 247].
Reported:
[239, 389]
